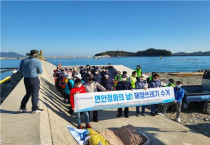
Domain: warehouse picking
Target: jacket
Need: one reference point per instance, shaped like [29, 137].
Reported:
[133, 81]
[179, 94]
[140, 85]
[69, 86]
[73, 91]
[123, 85]
[139, 72]
[30, 67]
[93, 86]
[107, 83]
[154, 84]
[97, 78]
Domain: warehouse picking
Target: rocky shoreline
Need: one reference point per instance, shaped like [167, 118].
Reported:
[193, 117]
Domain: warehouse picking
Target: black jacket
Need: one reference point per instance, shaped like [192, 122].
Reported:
[123, 85]
[108, 84]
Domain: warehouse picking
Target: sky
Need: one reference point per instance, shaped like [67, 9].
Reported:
[84, 28]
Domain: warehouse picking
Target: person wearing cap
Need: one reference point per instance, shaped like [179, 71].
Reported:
[138, 70]
[123, 85]
[179, 95]
[125, 73]
[170, 83]
[107, 82]
[88, 66]
[56, 76]
[140, 84]
[104, 72]
[31, 67]
[154, 83]
[69, 86]
[78, 76]
[133, 79]
[93, 86]
[117, 78]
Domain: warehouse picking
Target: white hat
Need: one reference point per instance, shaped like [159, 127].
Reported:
[78, 76]
[68, 76]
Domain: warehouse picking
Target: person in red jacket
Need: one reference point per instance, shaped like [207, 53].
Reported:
[79, 88]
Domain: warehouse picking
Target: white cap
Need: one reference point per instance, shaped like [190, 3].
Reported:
[78, 76]
[68, 76]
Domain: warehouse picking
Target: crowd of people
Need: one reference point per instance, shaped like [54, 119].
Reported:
[70, 81]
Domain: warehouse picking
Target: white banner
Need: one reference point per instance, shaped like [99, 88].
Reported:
[119, 99]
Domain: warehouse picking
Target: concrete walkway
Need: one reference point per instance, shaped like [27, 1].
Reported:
[49, 127]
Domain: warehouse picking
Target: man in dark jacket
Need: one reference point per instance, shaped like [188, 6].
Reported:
[97, 76]
[154, 83]
[123, 85]
[107, 82]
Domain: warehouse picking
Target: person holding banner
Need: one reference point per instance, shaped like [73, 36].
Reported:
[123, 85]
[79, 88]
[154, 83]
[93, 86]
[141, 84]
[107, 82]
[179, 95]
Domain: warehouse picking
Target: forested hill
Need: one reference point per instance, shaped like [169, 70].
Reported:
[148, 52]
[10, 54]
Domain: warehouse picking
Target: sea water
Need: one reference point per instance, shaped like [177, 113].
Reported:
[148, 64]
[8, 63]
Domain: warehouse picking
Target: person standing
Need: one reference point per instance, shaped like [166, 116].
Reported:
[170, 83]
[31, 67]
[133, 79]
[97, 75]
[107, 82]
[151, 77]
[123, 85]
[93, 86]
[69, 86]
[79, 88]
[117, 78]
[139, 71]
[141, 84]
[179, 95]
[154, 83]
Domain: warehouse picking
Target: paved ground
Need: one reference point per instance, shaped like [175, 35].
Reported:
[49, 127]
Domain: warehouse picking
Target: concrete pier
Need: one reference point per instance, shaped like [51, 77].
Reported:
[49, 126]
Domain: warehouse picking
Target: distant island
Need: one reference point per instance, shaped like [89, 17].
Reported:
[149, 52]
[199, 53]
[11, 55]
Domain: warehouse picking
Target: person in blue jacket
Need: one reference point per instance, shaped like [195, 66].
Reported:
[140, 84]
[154, 83]
[69, 86]
[179, 95]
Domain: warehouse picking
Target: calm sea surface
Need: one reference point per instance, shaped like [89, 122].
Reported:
[148, 64]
